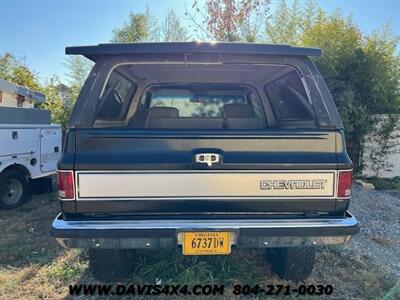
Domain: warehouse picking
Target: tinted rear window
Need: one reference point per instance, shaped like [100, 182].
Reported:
[288, 98]
[194, 105]
[117, 94]
[199, 106]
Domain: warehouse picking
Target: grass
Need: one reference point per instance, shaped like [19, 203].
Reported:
[33, 265]
[173, 268]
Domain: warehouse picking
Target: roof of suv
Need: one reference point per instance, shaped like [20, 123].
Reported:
[95, 51]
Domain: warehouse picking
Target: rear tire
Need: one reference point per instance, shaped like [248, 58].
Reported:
[110, 264]
[292, 263]
[14, 189]
[42, 185]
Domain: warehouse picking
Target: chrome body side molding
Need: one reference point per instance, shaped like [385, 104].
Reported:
[137, 185]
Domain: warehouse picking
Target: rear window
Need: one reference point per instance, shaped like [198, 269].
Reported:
[191, 105]
[199, 106]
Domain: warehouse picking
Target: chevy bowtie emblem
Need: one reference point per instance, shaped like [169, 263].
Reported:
[208, 158]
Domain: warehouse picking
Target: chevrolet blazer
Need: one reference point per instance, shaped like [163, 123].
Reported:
[206, 147]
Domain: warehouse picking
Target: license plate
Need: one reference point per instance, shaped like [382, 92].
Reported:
[206, 243]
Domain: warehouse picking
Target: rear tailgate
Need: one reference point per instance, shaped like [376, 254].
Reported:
[141, 171]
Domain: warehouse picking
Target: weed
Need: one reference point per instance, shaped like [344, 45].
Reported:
[394, 292]
[385, 183]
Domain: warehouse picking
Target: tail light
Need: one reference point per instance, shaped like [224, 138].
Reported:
[66, 188]
[344, 184]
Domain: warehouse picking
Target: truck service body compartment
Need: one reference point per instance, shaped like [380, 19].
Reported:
[37, 147]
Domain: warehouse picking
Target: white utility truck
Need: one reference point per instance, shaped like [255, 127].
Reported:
[30, 145]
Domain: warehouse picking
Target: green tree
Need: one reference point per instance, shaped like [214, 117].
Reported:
[153, 28]
[78, 70]
[362, 73]
[60, 110]
[286, 24]
[144, 27]
[15, 70]
[133, 31]
[308, 15]
[140, 27]
[172, 30]
[381, 142]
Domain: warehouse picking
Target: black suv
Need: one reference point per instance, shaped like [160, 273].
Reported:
[204, 146]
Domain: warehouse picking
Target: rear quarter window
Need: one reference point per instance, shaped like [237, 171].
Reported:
[116, 98]
[288, 98]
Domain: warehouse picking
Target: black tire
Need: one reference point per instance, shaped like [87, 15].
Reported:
[110, 264]
[14, 189]
[42, 185]
[292, 263]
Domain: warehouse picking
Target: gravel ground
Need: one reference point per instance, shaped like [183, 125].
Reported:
[379, 215]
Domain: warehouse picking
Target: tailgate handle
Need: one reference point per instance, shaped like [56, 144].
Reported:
[208, 158]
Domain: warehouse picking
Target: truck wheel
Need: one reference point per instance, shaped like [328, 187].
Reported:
[14, 189]
[292, 263]
[42, 185]
[110, 264]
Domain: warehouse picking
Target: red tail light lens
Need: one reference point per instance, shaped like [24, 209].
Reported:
[344, 184]
[66, 188]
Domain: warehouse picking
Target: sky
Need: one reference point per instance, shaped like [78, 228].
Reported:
[39, 30]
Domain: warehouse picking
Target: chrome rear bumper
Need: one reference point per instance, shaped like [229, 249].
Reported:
[247, 233]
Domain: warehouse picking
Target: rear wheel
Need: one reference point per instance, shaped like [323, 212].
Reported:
[292, 263]
[14, 189]
[110, 264]
[42, 185]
